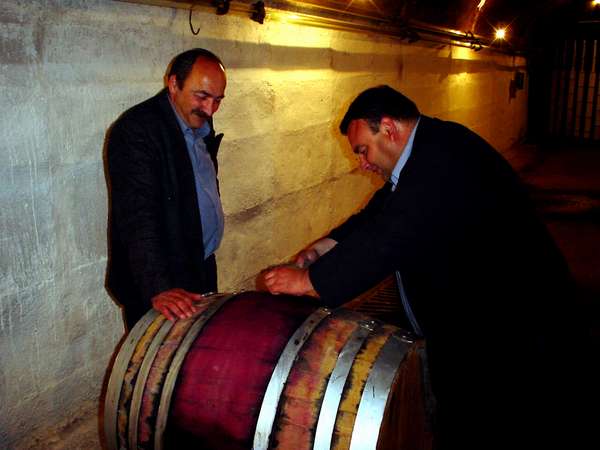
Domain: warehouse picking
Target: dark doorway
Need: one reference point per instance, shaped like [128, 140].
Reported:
[574, 106]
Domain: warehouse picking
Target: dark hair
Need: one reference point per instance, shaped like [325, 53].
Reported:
[376, 102]
[181, 66]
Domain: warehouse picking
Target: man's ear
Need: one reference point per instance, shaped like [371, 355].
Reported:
[172, 84]
[389, 128]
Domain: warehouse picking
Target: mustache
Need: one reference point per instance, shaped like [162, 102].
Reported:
[200, 113]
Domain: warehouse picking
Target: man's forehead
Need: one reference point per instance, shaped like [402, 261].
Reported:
[211, 80]
[356, 127]
[204, 66]
[353, 126]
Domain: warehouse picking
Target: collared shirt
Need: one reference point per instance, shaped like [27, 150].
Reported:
[394, 180]
[403, 157]
[205, 178]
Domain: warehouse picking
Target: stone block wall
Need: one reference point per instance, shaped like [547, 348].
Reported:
[68, 68]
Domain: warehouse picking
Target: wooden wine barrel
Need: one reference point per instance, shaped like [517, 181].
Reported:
[253, 370]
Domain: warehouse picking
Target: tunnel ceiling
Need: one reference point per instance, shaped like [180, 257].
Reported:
[524, 18]
[529, 22]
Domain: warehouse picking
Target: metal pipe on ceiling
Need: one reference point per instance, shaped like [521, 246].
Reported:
[324, 16]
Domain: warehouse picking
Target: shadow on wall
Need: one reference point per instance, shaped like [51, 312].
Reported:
[248, 55]
[108, 227]
[516, 84]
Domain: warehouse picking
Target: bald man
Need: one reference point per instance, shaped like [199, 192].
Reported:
[166, 218]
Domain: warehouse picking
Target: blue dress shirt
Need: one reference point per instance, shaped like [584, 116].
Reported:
[403, 157]
[394, 180]
[205, 178]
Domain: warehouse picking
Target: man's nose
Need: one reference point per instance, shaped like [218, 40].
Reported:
[209, 106]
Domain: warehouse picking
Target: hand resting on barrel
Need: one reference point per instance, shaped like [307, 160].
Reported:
[176, 303]
[288, 279]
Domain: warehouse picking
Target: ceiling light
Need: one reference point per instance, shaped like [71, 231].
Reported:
[501, 33]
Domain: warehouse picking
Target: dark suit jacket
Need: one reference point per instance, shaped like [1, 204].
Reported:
[482, 274]
[155, 231]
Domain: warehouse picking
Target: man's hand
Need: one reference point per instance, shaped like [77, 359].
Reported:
[288, 279]
[176, 303]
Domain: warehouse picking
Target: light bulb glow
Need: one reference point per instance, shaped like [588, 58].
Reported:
[501, 33]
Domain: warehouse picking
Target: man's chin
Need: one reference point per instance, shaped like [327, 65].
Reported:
[380, 172]
[197, 122]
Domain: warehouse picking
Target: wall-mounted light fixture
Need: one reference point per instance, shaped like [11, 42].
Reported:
[258, 12]
[222, 6]
[410, 35]
[405, 32]
[474, 43]
[519, 79]
[516, 84]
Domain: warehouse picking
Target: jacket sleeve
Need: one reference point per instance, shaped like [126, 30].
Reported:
[419, 217]
[366, 254]
[134, 171]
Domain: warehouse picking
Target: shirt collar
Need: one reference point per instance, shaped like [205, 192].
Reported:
[201, 132]
[404, 156]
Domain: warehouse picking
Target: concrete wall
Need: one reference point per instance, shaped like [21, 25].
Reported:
[69, 68]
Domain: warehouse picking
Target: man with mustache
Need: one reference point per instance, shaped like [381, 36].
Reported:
[166, 219]
[479, 276]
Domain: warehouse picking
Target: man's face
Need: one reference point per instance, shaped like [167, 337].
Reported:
[202, 92]
[377, 152]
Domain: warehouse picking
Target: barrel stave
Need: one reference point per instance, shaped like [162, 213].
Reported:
[130, 378]
[303, 394]
[156, 377]
[352, 394]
